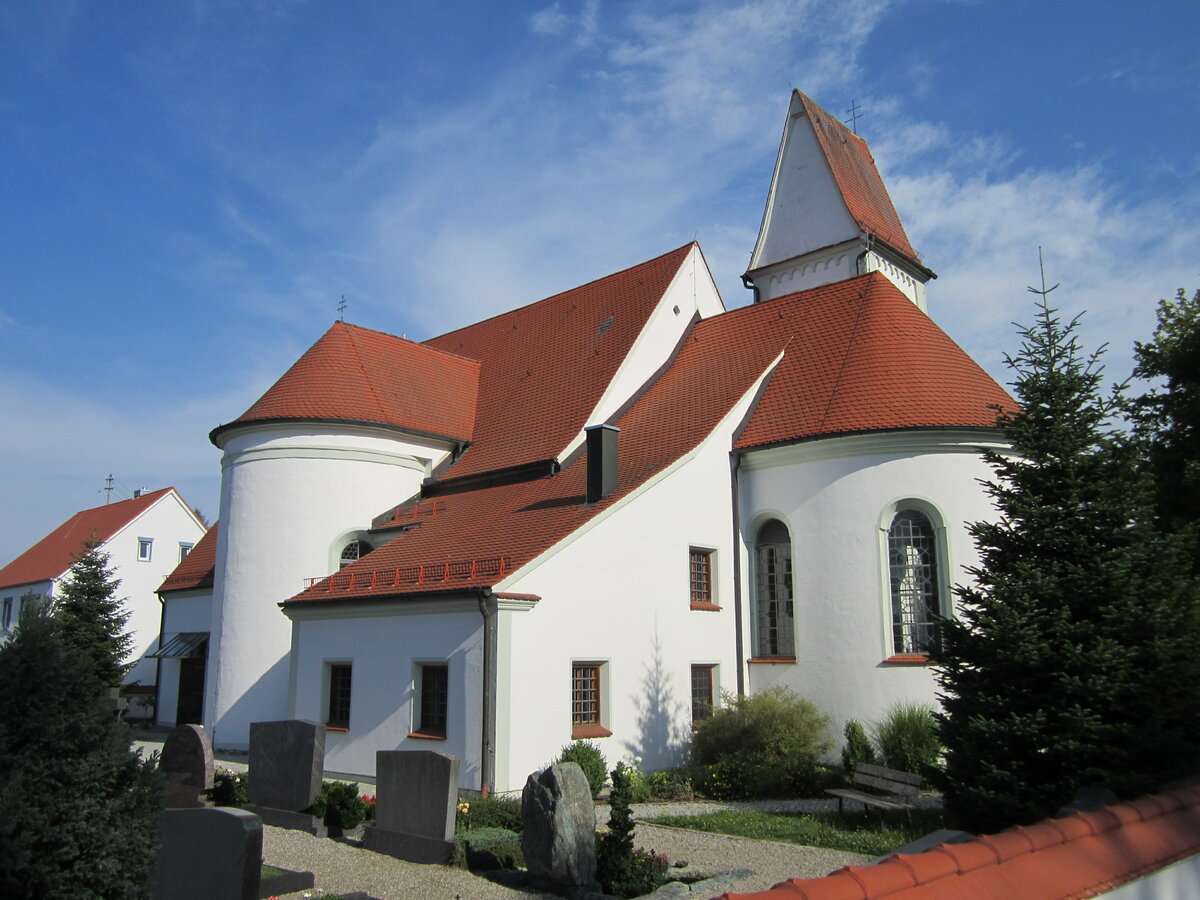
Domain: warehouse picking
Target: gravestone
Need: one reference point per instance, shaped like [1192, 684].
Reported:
[416, 794]
[287, 762]
[187, 767]
[208, 854]
[558, 830]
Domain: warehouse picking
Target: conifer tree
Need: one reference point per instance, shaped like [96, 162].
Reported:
[1071, 661]
[78, 809]
[92, 618]
[1167, 417]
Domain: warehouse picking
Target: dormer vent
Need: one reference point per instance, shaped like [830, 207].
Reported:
[601, 461]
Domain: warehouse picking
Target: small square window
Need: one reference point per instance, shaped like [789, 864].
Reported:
[587, 700]
[701, 574]
[145, 546]
[434, 691]
[702, 692]
[339, 696]
[184, 550]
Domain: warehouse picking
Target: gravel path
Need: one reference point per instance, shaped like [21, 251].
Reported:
[340, 867]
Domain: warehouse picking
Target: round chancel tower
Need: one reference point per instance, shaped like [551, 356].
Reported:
[352, 428]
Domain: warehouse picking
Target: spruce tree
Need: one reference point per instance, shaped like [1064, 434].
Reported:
[1071, 661]
[78, 809]
[92, 617]
[1167, 417]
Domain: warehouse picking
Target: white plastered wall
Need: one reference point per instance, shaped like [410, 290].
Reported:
[168, 523]
[288, 493]
[832, 495]
[617, 592]
[384, 643]
[183, 611]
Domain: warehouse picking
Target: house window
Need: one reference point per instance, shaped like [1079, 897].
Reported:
[701, 569]
[184, 550]
[353, 552]
[773, 591]
[434, 693]
[8, 613]
[587, 700]
[145, 545]
[702, 693]
[914, 581]
[339, 696]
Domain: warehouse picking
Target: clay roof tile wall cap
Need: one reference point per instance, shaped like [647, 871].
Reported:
[1041, 835]
[1101, 820]
[1008, 844]
[971, 856]
[841, 885]
[885, 878]
[928, 866]
[1153, 805]
[1071, 827]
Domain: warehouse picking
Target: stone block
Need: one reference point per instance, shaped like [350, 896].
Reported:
[416, 792]
[287, 762]
[409, 847]
[558, 820]
[187, 766]
[208, 854]
[285, 818]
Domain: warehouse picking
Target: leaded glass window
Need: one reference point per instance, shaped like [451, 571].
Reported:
[773, 591]
[913, 569]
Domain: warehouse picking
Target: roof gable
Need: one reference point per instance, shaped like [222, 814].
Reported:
[545, 366]
[54, 554]
[354, 374]
[195, 570]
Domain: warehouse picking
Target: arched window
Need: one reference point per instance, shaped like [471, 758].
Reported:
[353, 552]
[915, 585]
[773, 590]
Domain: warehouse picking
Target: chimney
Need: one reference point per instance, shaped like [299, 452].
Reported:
[137, 493]
[601, 461]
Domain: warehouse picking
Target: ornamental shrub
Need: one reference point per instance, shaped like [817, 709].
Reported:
[670, 784]
[339, 805]
[490, 849]
[590, 759]
[761, 744]
[476, 812]
[621, 870]
[857, 749]
[907, 738]
[229, 788]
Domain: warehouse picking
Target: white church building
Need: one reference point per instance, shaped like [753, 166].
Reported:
[593, 515]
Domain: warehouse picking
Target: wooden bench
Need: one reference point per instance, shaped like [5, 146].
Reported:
[899, 790]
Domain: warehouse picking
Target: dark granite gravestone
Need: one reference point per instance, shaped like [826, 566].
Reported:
[416, 793]
[558, 830]
[208, 854]
[187, 767]
[287, 761]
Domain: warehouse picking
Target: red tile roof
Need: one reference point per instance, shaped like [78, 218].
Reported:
[196, 569]
[862, 357]
[56, 552]
[546, 365]
[1081, 855]
[354, 374]
[862, 188]
[854, 353]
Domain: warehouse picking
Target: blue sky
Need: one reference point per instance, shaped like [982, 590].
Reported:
[188, 188]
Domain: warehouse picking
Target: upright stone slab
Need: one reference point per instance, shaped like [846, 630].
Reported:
[187, 767]
[416, 793]
[287, 761]
[558, 828]
[208, 854]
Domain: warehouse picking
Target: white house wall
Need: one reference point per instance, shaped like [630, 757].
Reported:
[385, 649]
[184, 611]
[833, 496]
[291, 495]
[168, 523]
[618, 592]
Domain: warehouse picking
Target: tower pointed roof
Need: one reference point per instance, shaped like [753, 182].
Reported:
[354, 374]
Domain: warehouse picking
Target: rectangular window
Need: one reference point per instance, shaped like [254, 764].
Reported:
[701, 569]
[184, 550]
[702, 693]
[145, 545]
[435, 694]
[587, 696]
[8, 612]
[339, 696]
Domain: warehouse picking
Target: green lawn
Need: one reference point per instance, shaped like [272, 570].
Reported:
[854, 832]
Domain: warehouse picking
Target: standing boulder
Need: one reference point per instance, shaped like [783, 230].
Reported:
[558, 822]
